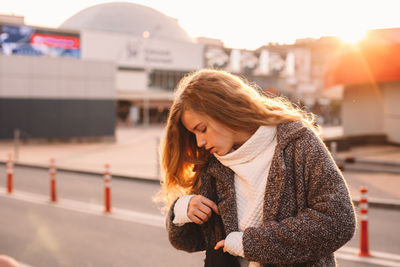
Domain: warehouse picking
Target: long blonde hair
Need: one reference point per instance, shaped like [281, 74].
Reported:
[225, 98]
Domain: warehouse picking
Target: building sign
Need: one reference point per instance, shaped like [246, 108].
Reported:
[28, 40]
[157, 55]
[136, 52]
[55, 41]
[144, 53]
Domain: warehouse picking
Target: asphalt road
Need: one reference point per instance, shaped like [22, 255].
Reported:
[48, 236]
[45, 236]
[127, 194]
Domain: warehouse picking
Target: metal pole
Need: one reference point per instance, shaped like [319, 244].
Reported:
[17, 135]
[333, 150]
[158, 156]
[146, 108]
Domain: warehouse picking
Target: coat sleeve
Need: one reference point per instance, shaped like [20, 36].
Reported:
[187, 237]
[326, 224]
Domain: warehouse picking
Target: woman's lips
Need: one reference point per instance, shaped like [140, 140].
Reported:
[211, 150]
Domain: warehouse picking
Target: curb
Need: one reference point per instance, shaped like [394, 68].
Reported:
[355, 168]
[362, 165]
[378, 162]
[380, 203]
[372, 202]
[371, 161]
[93, 173]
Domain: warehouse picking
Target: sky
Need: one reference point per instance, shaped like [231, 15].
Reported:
[245, 24]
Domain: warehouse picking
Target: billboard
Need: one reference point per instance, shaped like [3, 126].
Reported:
[28, 40]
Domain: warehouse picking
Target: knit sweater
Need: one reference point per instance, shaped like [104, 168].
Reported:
[307, 210]
[251, 163]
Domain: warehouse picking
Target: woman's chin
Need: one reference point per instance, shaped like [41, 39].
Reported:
[220, 153]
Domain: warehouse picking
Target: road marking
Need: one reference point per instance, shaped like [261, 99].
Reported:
[377, 258]
[88, 208]
[345, 253]
[378, 254]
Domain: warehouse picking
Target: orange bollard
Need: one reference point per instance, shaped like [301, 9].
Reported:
[10, 174]
[107, 189]
[52, 170]
[364, 246]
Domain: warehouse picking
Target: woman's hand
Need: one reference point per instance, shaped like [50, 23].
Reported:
[200, 209]
[220, 244]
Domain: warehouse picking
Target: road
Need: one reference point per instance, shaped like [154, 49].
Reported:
[42, 234]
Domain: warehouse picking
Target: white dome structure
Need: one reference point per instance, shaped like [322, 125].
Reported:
[127, 18]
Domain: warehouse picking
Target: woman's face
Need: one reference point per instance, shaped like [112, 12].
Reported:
[215, 137]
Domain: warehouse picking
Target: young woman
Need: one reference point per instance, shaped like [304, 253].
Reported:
[247, 179]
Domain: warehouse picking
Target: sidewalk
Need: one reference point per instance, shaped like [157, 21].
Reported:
[134, 155]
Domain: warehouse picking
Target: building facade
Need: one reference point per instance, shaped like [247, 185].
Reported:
[47, 90]
[151, 52]
[56, 98]
[369, 73]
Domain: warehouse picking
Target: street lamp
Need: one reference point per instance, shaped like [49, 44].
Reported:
[146, 104]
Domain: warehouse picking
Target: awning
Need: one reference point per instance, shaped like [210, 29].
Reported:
[376, 59]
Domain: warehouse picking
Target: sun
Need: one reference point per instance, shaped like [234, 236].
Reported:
[350, 36]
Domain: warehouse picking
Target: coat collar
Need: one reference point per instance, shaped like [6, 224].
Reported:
[289, 131]
[226, 196]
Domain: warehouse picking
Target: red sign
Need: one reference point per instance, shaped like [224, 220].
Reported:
[57, 41]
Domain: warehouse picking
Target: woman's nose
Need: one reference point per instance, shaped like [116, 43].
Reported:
[200, 141]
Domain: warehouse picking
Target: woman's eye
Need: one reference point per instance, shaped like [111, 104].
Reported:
[204, 130]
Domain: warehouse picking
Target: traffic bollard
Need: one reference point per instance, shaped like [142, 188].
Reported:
[53, 191]
[364, 246]
[10, 172]
[107, 189]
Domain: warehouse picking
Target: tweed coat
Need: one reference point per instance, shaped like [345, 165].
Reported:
[307, 209]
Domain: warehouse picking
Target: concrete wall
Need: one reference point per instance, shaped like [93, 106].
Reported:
[56, 97]
[391, 111]
[137, 52]
[362, 110]
[371, 109]
[131, 81]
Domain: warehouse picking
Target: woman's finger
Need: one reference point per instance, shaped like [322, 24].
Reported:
[200, 209]
[201, 215]
[220, 244]
[197, 216]
[211, 204]
[206, 210]
[195, 219]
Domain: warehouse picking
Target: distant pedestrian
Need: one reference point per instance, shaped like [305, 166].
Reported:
[6, 261]
[248, 175]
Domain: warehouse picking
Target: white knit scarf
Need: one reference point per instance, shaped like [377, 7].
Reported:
[251, 163]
